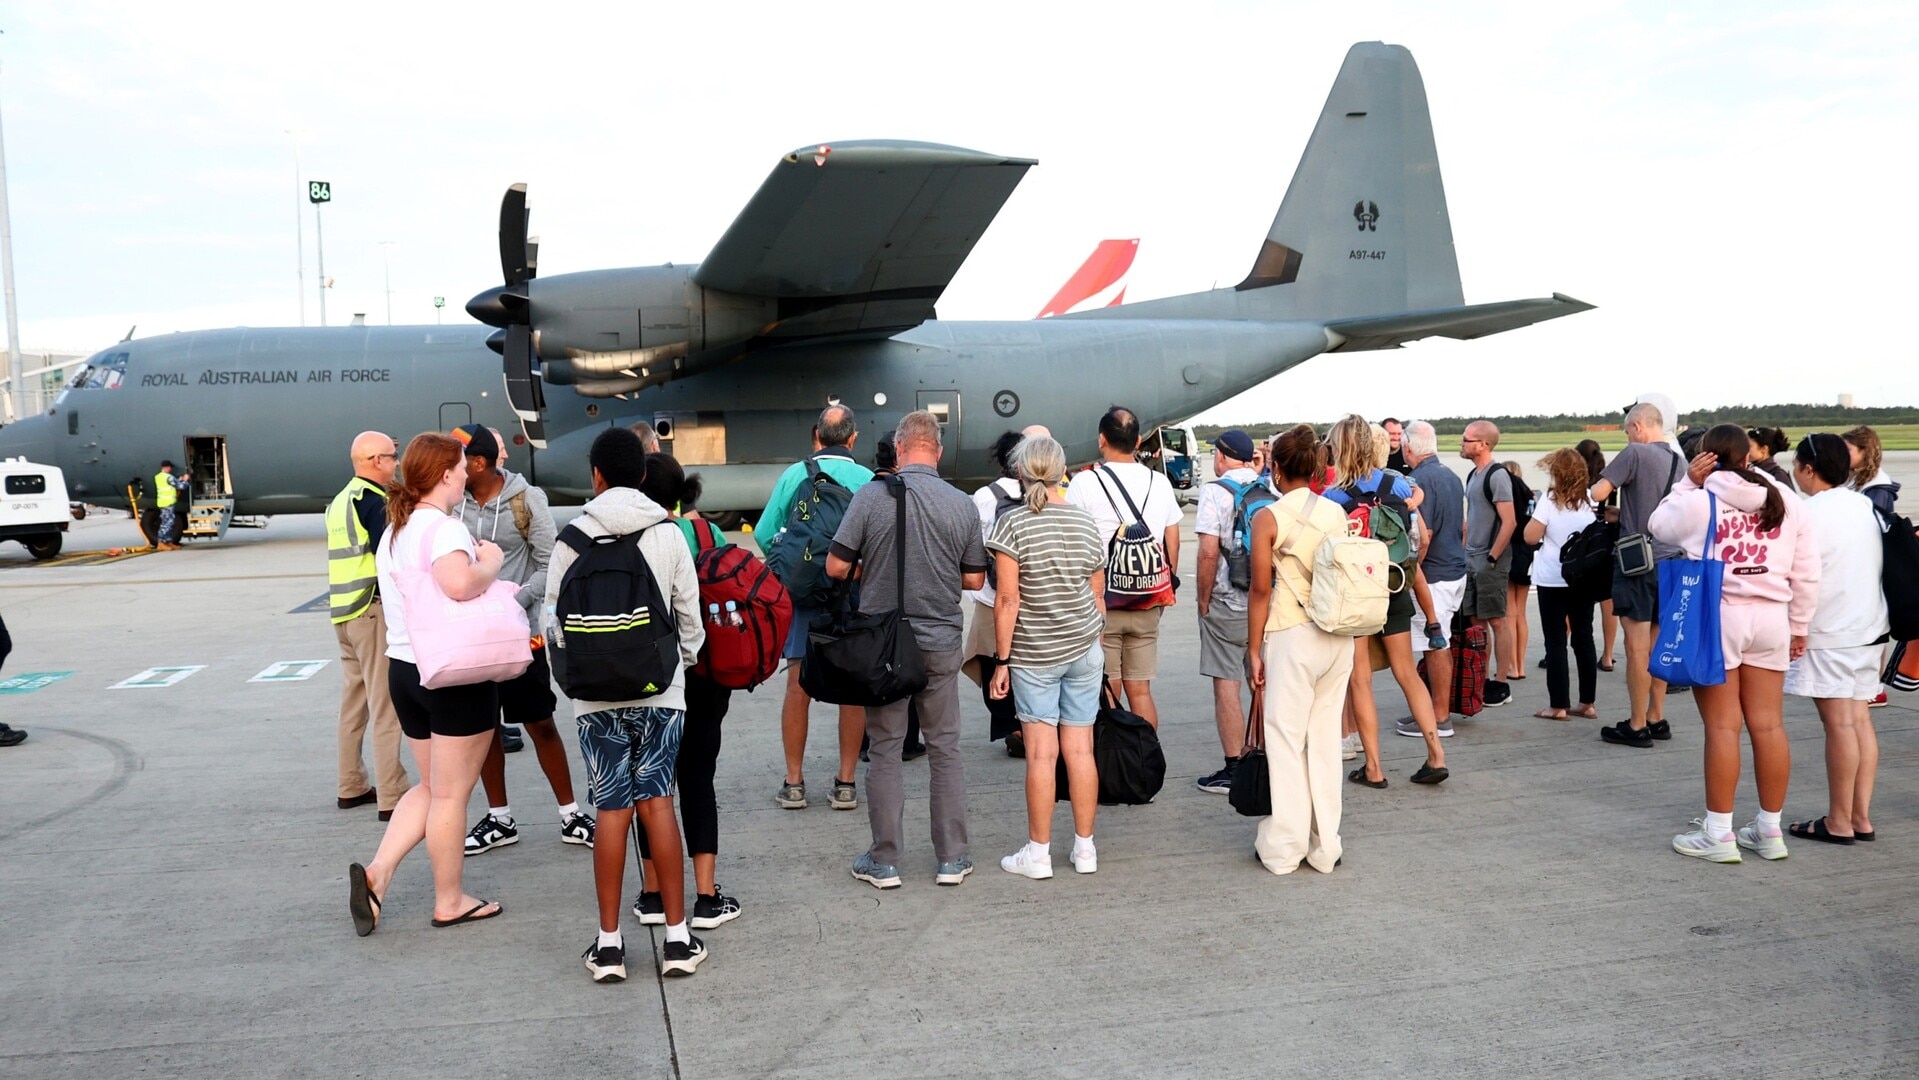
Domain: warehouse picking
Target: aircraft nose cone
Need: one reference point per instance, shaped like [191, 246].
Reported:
[30, 438]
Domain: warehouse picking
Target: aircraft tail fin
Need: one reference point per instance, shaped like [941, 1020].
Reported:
[1363, 228]
[1105, 268]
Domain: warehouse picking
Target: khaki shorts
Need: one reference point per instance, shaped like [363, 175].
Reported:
[1131, 642]
[1486, 586]
[1222, 643]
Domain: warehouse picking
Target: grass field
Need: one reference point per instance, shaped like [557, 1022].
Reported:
[1895, 437]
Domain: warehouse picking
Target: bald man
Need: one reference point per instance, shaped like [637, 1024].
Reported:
[354, 521]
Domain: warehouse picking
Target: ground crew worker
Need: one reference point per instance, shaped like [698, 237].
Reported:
[354, 521]
[166, 497]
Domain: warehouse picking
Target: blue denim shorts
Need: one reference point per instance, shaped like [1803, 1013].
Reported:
[630, 753]
[1067, 694]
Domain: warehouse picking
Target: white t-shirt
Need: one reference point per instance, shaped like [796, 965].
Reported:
[987, 500]
[1560, 525]
[449, 535]
[1150, 491]
[1852, 602]
[1215, 518]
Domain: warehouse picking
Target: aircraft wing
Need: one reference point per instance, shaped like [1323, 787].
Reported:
[860, 237]
[1462, 323]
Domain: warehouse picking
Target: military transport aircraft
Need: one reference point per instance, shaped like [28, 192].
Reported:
[822, 290]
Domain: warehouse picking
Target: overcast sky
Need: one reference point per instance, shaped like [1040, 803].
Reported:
[1727, 181]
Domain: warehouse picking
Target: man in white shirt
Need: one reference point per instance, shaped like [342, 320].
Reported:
[1223, 630]
[1132, 637]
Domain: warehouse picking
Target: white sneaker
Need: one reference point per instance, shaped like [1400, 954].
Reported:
[1085, 859]
[1698, 845]
[1766, 847]
[1349, 747]
[1026, 863]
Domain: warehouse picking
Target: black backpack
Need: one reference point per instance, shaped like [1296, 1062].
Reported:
[1586, 559]
[797, 554]
[615, 638]
[1003, 504]
[1900, 577]
[1132, 767]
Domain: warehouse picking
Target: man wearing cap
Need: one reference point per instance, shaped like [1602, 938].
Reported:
[502, 507]
[1222, 608]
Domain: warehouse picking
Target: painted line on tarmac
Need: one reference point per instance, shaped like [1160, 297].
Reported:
[28, 682]
[155, 678]
[158, 581]
[289, 671]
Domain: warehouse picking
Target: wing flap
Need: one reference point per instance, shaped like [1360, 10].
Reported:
[1460, 323]
[860, 236]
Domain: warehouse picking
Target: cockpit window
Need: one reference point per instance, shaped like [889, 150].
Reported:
[105, 371]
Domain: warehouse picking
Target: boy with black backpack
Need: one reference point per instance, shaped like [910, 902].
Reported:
[623, 627]
[1224, 526]
[807, 505]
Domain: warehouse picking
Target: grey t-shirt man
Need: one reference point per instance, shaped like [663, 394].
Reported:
[942, 543]
[1440, 512]
[1644, 473]
[1482, 515]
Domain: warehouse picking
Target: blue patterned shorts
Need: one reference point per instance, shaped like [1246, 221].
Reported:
[630, 753]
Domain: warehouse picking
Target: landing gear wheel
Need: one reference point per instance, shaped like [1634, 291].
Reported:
[43, 548]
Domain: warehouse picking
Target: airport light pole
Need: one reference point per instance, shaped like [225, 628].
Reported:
[438, 303]
[16, 360]
[319, 193]
[386, 268]
[299, 228]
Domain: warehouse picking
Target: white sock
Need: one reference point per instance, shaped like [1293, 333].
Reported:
[503, 813]
[1769, 821]
[1718, 826]
[569, 810]
[1082, 843]
[611, 939]
[1039, 851]
[678, 932]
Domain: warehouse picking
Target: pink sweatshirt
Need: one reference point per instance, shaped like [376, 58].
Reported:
[1781, 566]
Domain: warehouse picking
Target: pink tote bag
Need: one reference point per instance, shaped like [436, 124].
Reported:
[460, 642]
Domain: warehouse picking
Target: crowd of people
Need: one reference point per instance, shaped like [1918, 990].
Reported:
[1065, 579]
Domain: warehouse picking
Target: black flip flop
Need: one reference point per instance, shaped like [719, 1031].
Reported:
[1429, 775]
[360, 900]
[1866, 837]
[1358, 776]
[473, 915]
[1816, 830]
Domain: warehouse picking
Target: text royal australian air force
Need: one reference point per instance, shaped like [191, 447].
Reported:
[246, 376]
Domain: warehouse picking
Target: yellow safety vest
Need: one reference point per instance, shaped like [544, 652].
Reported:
[164, 493]
[351, 575]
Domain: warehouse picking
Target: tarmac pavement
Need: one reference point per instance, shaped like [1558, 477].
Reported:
[172, 877]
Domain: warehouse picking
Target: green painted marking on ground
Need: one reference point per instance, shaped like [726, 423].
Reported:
[28, 682]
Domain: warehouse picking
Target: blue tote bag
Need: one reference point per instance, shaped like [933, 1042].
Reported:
[1688, 651]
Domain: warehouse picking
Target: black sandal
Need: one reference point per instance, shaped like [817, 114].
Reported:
[1358, 776]
[360, 900]
[1816, 830]
[1429, 775]
[472, 914]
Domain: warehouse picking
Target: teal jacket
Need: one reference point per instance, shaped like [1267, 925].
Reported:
[835, 461]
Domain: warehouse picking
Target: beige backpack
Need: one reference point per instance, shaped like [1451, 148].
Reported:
[1352, 579]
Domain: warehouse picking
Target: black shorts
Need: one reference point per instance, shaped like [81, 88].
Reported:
[1399, 611]
[1636, 598]
[450, 710]
[529, 699]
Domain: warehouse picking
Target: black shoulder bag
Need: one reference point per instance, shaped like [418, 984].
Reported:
[854, 658]
[1632, 553]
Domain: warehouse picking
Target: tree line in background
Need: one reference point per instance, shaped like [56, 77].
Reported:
[1790, 417]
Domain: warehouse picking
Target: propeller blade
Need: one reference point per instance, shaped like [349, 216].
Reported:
[535, 432]
[533, 258]
[513, 220]
[516, 361]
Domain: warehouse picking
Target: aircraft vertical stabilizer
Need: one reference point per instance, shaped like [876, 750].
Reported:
[1363, 228]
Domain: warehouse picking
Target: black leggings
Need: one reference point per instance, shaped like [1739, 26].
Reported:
[706, 705]
[1556, 607]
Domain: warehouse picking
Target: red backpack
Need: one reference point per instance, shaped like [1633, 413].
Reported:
[746, 610]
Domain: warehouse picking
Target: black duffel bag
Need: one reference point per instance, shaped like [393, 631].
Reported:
[1252, 790]
[1132, 767]
[854, 658]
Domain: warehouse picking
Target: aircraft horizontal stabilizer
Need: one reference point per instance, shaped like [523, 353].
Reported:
[1461, 323]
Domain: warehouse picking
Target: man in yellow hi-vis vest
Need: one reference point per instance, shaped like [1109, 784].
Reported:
[166, 498]
[355, 521]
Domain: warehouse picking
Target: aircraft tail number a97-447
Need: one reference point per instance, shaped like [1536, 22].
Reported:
[822, 289]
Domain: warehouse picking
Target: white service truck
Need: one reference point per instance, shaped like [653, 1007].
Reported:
[33, 506]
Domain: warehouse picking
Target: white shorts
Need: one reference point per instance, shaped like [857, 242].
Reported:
[1845, 674]
[1447, 596]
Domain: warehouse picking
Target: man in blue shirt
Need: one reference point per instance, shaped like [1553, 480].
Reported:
[833, 439]
[1442, 555]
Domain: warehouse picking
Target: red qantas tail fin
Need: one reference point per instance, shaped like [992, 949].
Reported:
[1105, 268]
